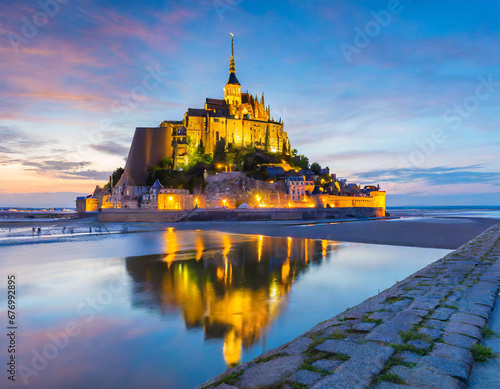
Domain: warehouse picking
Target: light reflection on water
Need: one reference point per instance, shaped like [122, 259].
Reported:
[173, 309]
[231, 286]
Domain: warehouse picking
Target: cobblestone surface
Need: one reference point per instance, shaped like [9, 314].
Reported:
[416, 334]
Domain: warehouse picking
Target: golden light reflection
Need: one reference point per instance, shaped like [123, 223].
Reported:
[285, 271]
[226, 241]
[232, 348]
[171, 246]
[221, 276]
[324, 247]
[234, 291]
[199, 246]
[259, 248]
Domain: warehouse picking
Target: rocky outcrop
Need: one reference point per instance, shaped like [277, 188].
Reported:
[241, 190]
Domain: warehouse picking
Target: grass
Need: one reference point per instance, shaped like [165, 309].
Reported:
[408, 347]
[482, 353]
[414, 335]
[298, 385]
[230, 379]
[323, 372]
[366, 319]
[337, 335]
[267, 359]
[448, 306]
[488, 333]
[315, 355]
[391, 377]
[311, 349]
[392, 299]
[341, 357]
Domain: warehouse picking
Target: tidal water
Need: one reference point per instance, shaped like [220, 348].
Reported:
[172, 309]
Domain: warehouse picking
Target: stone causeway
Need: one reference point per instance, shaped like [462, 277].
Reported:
[417, 334]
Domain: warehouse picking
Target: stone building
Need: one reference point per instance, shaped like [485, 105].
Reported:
[240, 120]
[295, 187]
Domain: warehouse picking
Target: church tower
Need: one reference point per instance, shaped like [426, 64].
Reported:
[232, 90]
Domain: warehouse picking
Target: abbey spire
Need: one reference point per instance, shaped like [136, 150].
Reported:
[232, 67]
[232, 90]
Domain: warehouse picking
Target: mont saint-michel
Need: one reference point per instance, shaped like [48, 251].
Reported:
[308, 203]
[232, 154]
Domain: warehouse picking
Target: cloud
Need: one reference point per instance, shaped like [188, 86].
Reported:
[111, 147]
[439, 175]
[16, 141]
[88, 174]
[358, 155]
[55, 165]
[60, 168]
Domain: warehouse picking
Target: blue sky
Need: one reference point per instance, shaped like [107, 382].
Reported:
[405, 94]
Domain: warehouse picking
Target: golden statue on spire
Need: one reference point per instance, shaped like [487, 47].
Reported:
[232, 66]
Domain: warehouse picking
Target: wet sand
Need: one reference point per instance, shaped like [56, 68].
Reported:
[432, 232]
[442, 232]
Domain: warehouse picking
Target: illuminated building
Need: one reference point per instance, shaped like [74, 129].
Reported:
[239, 119]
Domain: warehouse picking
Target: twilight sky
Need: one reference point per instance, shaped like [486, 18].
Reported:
[401, 93]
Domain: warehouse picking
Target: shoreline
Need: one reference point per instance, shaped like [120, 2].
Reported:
[430, 232]
[419, 333]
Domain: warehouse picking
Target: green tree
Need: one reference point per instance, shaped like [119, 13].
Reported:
[316, 168]
[300, 161]
[166, 163]
[115, 177]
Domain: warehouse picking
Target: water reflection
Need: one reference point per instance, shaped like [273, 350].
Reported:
[231, 286]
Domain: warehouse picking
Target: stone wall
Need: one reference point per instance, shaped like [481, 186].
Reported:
[224, 176]
[200, 214]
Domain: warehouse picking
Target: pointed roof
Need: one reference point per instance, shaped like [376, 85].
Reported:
[232, 67]
[157, 185]
[233, 80]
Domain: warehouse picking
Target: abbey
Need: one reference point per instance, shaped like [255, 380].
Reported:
[240, 120]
